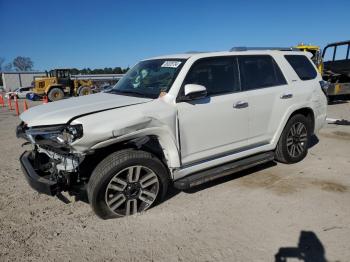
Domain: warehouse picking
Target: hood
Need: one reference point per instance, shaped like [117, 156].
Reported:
[61, 112]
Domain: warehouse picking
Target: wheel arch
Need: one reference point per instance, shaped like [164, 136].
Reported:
[155, 141]
[306, 111]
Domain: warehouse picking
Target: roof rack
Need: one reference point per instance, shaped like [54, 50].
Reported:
[195, 52]
[244, 48]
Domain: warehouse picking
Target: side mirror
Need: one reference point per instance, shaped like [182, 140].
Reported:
[193, 91]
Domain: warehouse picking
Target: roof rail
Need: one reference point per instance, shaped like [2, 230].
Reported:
[244, 48]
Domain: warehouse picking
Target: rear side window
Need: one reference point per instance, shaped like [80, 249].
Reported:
[219, 75]
[302, 66]
[259, 72]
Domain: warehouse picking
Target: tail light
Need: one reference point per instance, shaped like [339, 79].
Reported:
[324, 86]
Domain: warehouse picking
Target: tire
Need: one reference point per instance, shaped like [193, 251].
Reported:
[55, 94]
[330, 99]
[113, 193]
[296, 134]
[84, 90]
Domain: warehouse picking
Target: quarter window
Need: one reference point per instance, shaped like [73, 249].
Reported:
[219, 75]
[302, 66]
[259, 72]
[341, 52]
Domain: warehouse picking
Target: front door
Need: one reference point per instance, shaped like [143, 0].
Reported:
[217, 124]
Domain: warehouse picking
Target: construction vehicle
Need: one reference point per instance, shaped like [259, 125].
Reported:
[336, 60]
[334, 65]
[316, 54]
[59, 83]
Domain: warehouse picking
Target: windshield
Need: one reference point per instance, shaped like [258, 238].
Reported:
[151, 78]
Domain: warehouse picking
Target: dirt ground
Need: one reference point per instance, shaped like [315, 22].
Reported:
[299, 211]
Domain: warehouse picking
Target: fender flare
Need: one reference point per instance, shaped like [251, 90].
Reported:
[286, 117]
[166, 140]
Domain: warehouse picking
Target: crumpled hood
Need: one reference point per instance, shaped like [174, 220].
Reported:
[60, 112]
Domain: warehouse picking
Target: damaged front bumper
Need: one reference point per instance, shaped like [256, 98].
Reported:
[52, 167]
[39, 183]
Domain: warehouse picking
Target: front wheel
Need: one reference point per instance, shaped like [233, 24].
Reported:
[55, 94]
[127, 182]
[293, 145]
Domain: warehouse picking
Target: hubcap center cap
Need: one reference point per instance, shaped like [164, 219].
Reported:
[132, 189]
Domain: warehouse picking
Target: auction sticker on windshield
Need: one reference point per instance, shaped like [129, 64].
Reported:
[172, 64]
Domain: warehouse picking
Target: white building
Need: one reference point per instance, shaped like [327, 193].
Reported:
[13, 80]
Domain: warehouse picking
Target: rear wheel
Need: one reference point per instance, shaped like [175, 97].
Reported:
[55, 94]
[127, 182]
[84, 90]
[292, 146]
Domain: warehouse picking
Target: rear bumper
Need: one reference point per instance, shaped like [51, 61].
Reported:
[37, 182]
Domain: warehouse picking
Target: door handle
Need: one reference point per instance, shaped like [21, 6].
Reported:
[286, 96]
[240, 104]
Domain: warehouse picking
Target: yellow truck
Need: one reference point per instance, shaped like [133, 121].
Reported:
[336, 60]
[316, 52]
[334, 65]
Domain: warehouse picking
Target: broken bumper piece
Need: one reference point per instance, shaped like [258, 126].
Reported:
[37, 182]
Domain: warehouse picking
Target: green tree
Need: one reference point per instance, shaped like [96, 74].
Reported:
[117, 70]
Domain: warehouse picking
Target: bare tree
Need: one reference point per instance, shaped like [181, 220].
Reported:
[22, 63]
[8, 67]
[2, 60]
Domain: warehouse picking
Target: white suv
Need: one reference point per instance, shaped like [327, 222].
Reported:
[179, 119]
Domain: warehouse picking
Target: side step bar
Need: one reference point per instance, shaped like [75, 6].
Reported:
[223, 170]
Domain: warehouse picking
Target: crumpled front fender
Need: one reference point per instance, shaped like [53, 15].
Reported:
[166, 140]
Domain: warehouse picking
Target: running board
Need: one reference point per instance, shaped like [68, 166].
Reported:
[222, 170]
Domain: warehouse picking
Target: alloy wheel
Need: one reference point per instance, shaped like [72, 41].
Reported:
[132, 190]
[297, 139]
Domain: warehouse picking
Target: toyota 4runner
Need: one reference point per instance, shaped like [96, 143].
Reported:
[178, 120]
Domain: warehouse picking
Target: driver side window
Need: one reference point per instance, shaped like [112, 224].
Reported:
[218, 74]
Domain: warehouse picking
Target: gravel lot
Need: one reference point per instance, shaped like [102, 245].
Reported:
[300, 210]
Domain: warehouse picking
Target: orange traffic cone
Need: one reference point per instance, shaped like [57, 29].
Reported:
[16, 106]
[45, 100]
[9, 102]
[25, 106]
[2, 101]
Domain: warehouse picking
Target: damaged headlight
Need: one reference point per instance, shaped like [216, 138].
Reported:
[59, 134]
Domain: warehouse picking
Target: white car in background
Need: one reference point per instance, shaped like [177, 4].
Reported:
[20, 92]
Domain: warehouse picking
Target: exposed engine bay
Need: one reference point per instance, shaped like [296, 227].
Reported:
[52, 157]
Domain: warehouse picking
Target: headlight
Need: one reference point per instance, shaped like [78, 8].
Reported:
[59, 134]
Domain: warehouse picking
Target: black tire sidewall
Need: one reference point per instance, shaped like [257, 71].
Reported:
[297, 118]
[81, 90]
[96, 194]
[55, 89]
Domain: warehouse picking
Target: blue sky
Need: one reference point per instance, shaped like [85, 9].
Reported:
[104, 33]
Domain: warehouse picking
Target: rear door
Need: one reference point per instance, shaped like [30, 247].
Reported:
[268, 94]
[217, 124]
